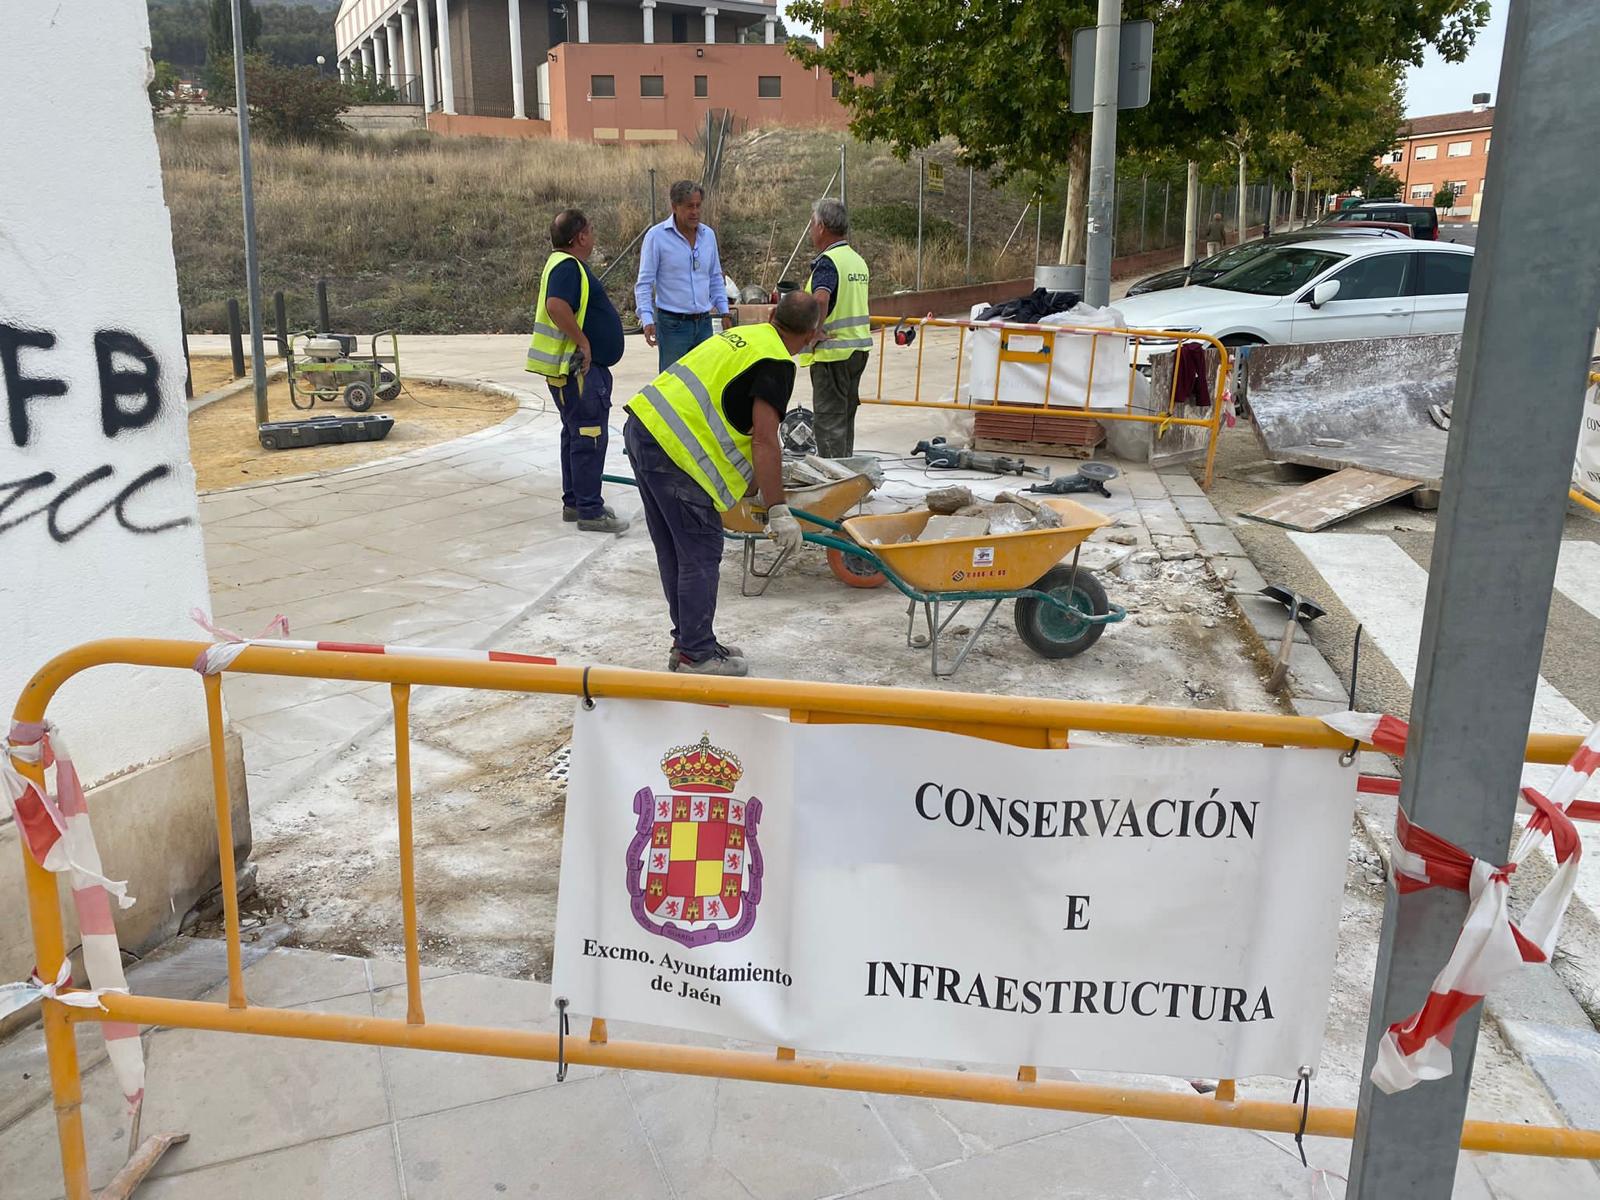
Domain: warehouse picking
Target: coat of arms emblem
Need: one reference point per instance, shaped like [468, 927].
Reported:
[694, 868]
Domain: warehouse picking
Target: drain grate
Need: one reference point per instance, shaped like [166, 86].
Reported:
[559, 764]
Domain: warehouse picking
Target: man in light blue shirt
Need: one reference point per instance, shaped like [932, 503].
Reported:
[680, 278]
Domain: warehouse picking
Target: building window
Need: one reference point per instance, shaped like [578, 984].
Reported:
[700, 85]
[1426, 152]
[602, 85]
[1421, 191]
[1486, 142]
[1459, 150]
[835, 87]
[652, 85]
[1394, 156]
[1458, 186]
[769, 87]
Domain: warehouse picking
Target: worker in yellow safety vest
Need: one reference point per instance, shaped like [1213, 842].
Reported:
[577, 339]
[840, 281]
[701, 436]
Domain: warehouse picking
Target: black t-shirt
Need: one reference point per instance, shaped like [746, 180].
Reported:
[771, 381]
[601, 325]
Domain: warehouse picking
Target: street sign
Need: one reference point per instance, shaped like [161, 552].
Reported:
[1133, 76]
[935, 177]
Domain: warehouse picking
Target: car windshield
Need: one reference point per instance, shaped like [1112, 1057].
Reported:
[1278, 272]
[1227, 260]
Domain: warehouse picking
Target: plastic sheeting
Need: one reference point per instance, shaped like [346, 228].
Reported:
[987, 381]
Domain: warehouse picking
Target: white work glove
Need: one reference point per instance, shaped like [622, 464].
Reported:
[783, 528]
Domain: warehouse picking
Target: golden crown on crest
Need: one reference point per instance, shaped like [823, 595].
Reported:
[701, 767]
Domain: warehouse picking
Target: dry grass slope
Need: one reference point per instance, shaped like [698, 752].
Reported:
[428, 234]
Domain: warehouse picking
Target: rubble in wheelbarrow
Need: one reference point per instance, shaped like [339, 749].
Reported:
[811, 471]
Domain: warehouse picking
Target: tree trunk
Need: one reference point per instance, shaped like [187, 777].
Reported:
[1191, 212]
[1244, 211]
[1294, 192]
[1073, 221]
[1272, 205]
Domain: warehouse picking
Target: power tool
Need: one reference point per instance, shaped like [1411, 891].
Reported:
[1091, 477]
[958, 458]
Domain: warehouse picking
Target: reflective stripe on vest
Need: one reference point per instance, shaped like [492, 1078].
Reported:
[550, 351]
[683, 410]
[849, 327]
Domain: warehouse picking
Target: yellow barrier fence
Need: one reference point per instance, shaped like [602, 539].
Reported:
[1164, 416]
[1021, 721]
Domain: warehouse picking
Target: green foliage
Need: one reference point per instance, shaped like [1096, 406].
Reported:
[995, 74]
[289, 34]
[897, 221]
[366, 87]
[1382, 184]
[294, 104]
[164, 88]
[219, 28]
[1445, 197]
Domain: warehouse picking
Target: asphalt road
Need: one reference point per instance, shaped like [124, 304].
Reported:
[1466, 234]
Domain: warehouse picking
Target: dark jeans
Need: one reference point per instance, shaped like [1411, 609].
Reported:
[686, 530]
[675, 337]
[835, 396]
[585, 409]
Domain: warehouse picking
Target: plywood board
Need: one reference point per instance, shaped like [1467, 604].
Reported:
[1332, 499]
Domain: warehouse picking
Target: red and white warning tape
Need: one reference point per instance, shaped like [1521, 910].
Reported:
[54, 824]
[230, 645]
[1491, 946]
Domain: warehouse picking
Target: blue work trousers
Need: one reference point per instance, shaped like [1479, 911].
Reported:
[585, 406]
[686, 529]
[676, 336]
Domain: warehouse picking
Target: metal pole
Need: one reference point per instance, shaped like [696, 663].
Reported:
[281, 322]
[324, 325]
[969, 224]
[1038, 228]
[252, 267]
[922, 171]
[844, 195]
[1529, 331]
[652, 195]
[235, 338]
[1103, 155]
[1144, 198]
[1166, 208]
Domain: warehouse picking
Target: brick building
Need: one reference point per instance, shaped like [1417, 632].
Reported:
[602, 70]
[1450, 149]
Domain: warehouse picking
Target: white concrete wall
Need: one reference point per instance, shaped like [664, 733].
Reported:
[99, 528]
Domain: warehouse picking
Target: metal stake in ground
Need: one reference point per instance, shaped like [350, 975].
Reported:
[1529, 330]
[922, 174]
[1103, 154]
[252, 268]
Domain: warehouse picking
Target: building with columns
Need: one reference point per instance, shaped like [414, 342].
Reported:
[605, 70]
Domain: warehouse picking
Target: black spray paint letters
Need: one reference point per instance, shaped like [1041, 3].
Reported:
[130, 398]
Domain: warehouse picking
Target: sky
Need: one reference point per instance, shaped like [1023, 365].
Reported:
[1441, 87]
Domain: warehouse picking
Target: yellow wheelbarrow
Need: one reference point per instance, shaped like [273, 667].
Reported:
[1061, 609]
[818, 506]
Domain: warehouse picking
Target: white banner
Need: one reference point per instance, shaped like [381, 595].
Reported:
[1586, 467]
[878, 890]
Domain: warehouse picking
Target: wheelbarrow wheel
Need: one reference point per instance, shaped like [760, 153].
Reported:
[1052, 633]
[358, 396]
[854, 571]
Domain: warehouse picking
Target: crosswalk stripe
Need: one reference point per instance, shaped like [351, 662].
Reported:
[1386, 590]
[1578, 575]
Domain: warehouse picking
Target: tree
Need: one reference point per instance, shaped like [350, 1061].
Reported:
[368, 87]
[1382, 184]
[294, 104]
[1445, 197]
[219, 46]
[994, 74]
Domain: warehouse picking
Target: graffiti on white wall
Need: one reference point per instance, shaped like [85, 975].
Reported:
[129, 375]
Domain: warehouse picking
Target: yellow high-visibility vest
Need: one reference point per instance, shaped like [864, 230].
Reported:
[849, 327]
[683, 410]
[550, 351]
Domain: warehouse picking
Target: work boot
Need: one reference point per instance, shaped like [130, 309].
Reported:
[570, 514]
[717, 664]
[608, 523]
[674, 657]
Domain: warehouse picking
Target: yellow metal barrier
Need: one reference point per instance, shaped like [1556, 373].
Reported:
[1015, 720]
[1046, 354]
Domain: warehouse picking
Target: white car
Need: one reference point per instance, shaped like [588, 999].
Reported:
[1322, 291]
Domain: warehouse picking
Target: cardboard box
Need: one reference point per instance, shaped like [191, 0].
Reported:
[752, 314]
